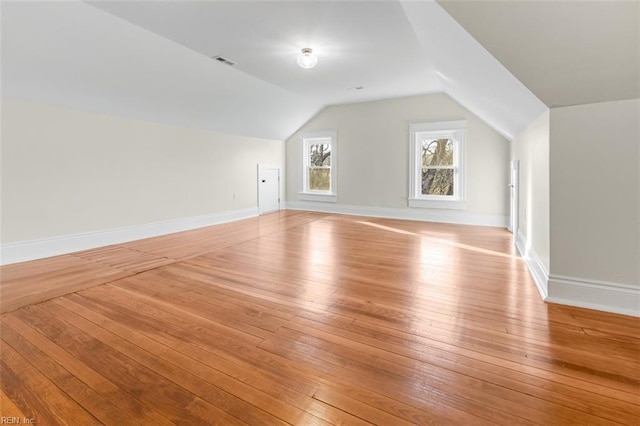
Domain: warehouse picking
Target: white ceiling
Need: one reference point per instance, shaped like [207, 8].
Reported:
[565, 52]
[469, 74]
[75, 55]
[151, 60]
[367, 44]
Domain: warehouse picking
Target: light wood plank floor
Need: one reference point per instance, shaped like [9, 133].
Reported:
[307, 318]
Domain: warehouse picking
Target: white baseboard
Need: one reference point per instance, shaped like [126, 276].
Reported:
[583, 293]
[534, 264]
[47, 247]
[601, 295]
[456, 217]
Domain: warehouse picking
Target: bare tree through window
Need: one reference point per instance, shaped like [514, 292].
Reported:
[320, 167]
[437, 167]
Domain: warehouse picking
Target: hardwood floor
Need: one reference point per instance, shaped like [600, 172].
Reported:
[308, 318]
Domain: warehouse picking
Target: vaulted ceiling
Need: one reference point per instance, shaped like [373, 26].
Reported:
[153, 60]
[565, 52]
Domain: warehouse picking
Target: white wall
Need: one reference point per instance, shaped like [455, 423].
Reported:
[373, 149]
[68, 172]
[595, 205]
[531, 149]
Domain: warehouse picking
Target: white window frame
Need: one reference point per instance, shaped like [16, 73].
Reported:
[308, 139]
[455, 130]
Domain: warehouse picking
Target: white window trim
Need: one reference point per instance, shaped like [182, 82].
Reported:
[330, 196]
[451, 129]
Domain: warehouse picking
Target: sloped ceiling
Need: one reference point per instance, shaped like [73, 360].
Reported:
[151, 60]
[75, 55]
[360, 44]
[469, 74]
[565, 52]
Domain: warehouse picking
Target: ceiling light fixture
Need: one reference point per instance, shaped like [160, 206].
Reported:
[307, 59]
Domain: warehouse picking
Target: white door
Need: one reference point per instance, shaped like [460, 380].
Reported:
[514, 190]
[268, 189]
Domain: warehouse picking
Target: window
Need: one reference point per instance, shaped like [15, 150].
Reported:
[436, 171]
[319, 167]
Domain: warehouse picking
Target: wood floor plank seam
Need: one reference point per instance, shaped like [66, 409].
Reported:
[308, 318]
[77, 306]
[129, 336]
[460, 367]
[394, 364]
[66, 381]
[501, 359]
[178, 409]
[453, 368]
[50, 396]
[146, 359]
[92, 378]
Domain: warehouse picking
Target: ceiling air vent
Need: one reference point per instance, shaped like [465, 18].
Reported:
[224, 60]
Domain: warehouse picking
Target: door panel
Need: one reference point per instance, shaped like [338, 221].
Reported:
[514, 189]
[268, 189]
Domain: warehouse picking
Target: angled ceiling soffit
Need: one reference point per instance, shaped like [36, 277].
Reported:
[469, 73]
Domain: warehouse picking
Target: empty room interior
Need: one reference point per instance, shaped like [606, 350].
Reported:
[320, 212]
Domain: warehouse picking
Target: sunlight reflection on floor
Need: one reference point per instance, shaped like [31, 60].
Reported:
[439, 240]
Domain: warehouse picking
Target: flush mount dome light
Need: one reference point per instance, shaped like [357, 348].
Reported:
[307, 59]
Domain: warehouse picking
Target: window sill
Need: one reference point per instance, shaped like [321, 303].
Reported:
[437, 204]
[326, 198]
